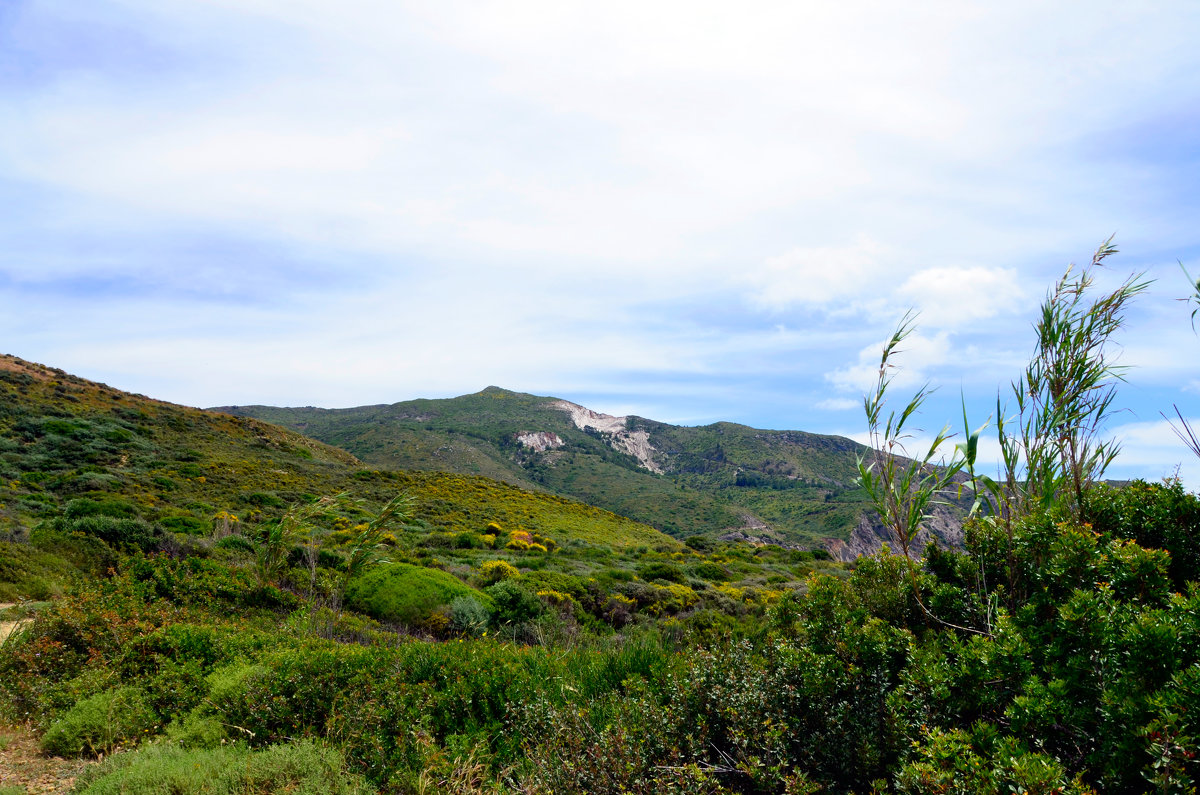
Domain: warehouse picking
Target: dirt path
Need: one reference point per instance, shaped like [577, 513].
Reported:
[7, 627]
[21, 765]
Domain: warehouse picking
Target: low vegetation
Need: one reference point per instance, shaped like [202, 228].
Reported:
[714, 476]
[479, 639]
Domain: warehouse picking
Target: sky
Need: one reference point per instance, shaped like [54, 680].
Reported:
[689, 211]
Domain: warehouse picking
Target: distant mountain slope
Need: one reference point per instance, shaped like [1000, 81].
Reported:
[63, 438]
[784, 486]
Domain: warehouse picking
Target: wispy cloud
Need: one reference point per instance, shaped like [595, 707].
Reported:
[371, 201]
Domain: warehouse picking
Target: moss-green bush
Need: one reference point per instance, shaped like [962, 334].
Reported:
[514, 604]
[468, 616]
[405, 594]
[100, 723]
[302, 768]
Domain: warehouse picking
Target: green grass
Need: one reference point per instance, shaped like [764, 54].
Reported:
[301, 768]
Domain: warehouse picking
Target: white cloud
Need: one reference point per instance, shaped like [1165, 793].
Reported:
[911, 361]
[838, 404]
[953, 297]
[820, 275]
[533, 192]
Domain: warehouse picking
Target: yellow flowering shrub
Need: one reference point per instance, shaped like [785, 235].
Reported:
[731, 591]
[493, 571]
[551, 596]
[673, 599]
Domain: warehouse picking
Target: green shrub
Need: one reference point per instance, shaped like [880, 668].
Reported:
[235, 542]
[713, 572]
[493, 571]
[118, 509]
[662, 571]
[1161, 516]
[185, 524]
[98, 724]
[198, 729]
[468, 616]
[301, 768]
[514, 604]
[118, 533]
[405, 594]
[261, 499]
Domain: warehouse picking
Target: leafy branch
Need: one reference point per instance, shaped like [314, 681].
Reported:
[903, 488]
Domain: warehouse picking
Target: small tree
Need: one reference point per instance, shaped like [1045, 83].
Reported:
[1055, 452]
[1063, 399]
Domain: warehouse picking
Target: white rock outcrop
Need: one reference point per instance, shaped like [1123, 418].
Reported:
[539, 440]
[634, 443]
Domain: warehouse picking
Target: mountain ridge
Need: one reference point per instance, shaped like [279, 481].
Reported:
[724, 479]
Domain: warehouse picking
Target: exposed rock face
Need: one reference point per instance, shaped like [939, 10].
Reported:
[756, 532]
[539, 440]
[634, 443]
[869, 536]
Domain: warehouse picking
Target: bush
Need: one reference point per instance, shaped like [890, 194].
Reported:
[98, 724]
[468, 616]
[118, 533]
[301, 768]
[662, 571]
[514, 605]
[713, 572]
[117, 509]
[405, 594]
[1162, 516]
[239, 543]
[185, 524]
[493, 571]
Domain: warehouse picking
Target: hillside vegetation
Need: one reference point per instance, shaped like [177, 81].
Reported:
[371, 642]
[787, 487]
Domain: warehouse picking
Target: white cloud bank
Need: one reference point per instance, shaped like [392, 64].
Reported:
[541, 193]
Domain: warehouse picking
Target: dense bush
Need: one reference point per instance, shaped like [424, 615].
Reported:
[99, 723]
[406, 594]
[1157, 515]
[513, 603]
[302, 768]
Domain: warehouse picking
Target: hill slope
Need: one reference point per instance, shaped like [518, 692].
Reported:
[720, 479]
[175, 470]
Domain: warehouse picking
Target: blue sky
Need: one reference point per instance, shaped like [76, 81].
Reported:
[688, 211]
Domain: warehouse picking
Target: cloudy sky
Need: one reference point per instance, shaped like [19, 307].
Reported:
[690, 211]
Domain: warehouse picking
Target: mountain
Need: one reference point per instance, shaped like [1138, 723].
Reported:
[724, 479]
[69, 446]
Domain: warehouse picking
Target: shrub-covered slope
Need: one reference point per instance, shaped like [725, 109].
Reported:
[82, 463]
[784, 486]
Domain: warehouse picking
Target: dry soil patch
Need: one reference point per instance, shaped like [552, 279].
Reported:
[22, 765]
[7, 627]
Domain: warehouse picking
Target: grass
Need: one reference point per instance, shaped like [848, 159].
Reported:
[302, 768]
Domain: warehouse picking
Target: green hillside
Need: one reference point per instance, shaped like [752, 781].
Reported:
[80, 458]
[786, 486]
